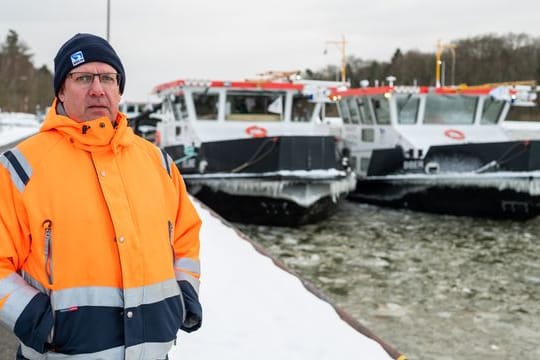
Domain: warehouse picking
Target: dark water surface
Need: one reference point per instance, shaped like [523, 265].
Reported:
[432, 286]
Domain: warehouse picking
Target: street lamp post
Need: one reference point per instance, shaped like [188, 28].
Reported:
[108, 19]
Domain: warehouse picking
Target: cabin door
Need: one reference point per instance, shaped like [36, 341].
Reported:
[359, 133]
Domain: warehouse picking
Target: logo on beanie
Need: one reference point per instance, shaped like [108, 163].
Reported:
[77, 58]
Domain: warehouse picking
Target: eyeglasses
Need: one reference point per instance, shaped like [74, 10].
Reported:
[87, 78]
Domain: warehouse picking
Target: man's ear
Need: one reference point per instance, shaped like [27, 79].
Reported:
[61, 95]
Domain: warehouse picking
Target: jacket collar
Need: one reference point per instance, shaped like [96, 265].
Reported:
[94, 135]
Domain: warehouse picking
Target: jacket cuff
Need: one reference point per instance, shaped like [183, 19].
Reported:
[193, 319]
[35, 323]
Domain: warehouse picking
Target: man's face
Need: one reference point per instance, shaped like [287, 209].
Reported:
[85, 100]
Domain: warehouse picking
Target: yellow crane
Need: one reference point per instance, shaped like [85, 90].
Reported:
[440, 48]
[341, 44]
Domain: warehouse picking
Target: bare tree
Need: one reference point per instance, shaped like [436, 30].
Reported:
[23, 88]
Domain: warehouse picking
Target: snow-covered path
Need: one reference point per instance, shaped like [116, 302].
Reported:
[255, 310]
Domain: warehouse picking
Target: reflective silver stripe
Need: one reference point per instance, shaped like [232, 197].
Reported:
[15, 176]
[87, 296]
[192, 280]
[188, 264]
[151, 293]
[34, 283]
[109, 354]
[19, 294]
[149, 351]
[114, 297]
[31, 354]
[166, 161]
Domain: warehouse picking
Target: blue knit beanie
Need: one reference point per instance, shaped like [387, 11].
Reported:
[81, 49]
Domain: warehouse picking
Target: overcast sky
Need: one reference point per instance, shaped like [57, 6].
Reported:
[164, 40]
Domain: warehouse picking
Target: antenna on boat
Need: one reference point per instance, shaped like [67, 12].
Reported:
[341, 43]
[438, 63]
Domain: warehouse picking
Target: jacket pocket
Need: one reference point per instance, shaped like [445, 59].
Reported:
[182, 306]
[88, 329]
[48, 249]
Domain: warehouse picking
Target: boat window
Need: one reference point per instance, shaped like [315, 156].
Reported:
[407, 109]
[368, 135]
[491, 111]
[131, 108]
[450, 109]
[302, 109]
[381, 109]
[344, 109]
[254, 106]
[364, 164]
[331, 110]
[179, 108]
[353, 111]
[206, 105]
[364, 111]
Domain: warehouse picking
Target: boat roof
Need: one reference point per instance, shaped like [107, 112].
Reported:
[380, 90]
[444, 90]
[524, 94]
[301, 85]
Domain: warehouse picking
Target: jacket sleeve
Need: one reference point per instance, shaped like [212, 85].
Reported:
[25, 310]
[186, 247]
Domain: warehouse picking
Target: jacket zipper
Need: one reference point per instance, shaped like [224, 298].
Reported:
[170, 229]
[47, 226]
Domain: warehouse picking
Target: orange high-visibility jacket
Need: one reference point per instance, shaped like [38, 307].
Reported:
[98, 237]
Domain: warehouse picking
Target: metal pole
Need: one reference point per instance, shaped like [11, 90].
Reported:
[453, 66]
[443, 71]
[108, 19]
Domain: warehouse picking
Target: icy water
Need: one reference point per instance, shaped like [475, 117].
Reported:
[432, 286]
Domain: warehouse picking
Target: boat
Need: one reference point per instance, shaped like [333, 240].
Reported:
[256, 151]
[440, 150]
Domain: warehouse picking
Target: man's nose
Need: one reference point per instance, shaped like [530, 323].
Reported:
[95, 87]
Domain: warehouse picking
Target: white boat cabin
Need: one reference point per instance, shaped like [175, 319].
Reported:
[416, 118]
[201, 111]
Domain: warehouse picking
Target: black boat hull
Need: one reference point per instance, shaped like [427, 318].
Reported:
[454, 199]
[262, 210]
[281, 181]
[495, 180]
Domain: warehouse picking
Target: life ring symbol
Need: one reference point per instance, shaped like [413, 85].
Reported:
[455, 134]
[256, 131]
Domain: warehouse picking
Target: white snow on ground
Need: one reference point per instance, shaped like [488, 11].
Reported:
[17, 126]
[255, 310]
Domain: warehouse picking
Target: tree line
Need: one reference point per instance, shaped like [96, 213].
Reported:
[477, 60]
[23, 87]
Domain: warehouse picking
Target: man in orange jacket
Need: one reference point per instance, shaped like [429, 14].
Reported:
[99, 241]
